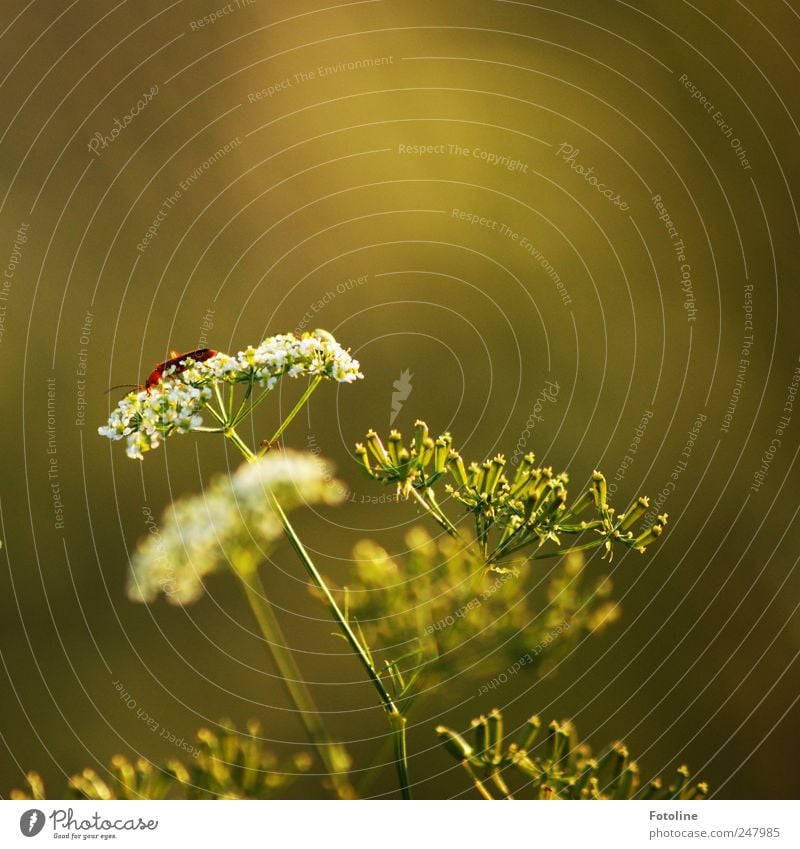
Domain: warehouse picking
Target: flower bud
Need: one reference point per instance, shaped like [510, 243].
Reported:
[395, 440]
[599, 491]
[420, 435]
[376, 446]
[426, 452]
[649, 536]
[480, 729]
[441, 452]
[495, 729]
[363, 459]
[455, 464]
[493, 473]
[635, 512]
[524, 467]
[531, 732]
[627, 781]
[677, 789]
[455, 744]
[558, 743]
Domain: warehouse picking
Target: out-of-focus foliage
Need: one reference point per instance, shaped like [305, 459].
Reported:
[558, 767]
[438, 612]
[228, 764]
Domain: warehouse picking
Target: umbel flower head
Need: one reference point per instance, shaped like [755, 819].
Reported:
[174, 405]
[526, 509]
[231, 524]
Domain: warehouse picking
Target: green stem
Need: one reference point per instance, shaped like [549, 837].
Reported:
[398, 723]
[560, 552]
[396, 718]
[237, 418]
[438, 517]
[348, 632]
[217, 416]
[297, 407]
[244, 413]
[479, 785]
[221, 402]
[430, 495]
[333, 755]
[497, 778]
[234, 437]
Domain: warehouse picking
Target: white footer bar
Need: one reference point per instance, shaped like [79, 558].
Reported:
[399, 825]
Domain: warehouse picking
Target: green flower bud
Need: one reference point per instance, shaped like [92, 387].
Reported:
[493, 473]
[599, 491]
[455, 744]
[481, 477]
[395, 441]
[650, 535]
[426, 453]
[627, 781]
[420, 434]
[524, 467]
[480, 729]
[441, 452]
[635, 512]
[522, 485]
[680, 785]
[376, 446]
[557, 741]
[455, 464]
[530, 732]
[363, 459]
[495, 729]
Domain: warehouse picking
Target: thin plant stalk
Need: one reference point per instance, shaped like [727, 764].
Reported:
[436, 513]
[333, 755]
[397, 720]
[297, 407]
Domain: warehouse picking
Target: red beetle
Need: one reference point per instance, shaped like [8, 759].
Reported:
[175, 361]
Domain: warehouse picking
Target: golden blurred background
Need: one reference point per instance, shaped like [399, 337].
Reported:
[478, 197]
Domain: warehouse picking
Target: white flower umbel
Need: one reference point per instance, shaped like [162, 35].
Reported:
[174, 404]
[145, 416]
[232, 520]
[315, 354]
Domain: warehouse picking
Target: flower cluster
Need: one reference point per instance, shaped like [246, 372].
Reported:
[511, 512]
[175, 403]
[148, 415]
[231, 523]
[226, 764]
[557, 767]
[315, 354]
[417, 466]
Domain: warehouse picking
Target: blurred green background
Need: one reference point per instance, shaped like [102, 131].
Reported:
[278, 154]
